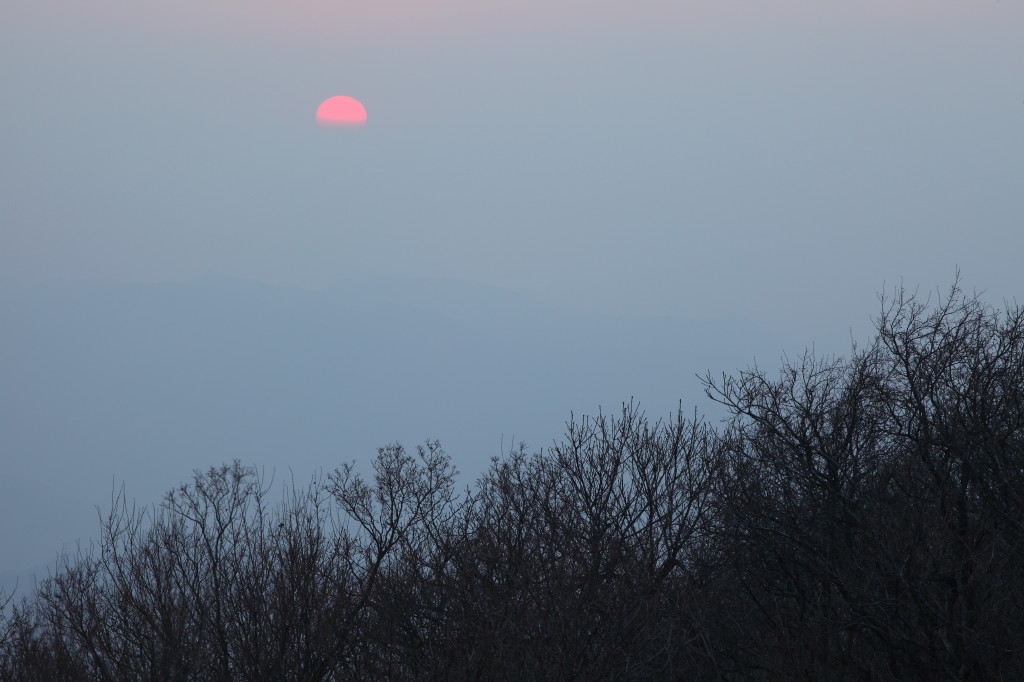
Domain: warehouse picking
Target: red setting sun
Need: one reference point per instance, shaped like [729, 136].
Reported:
[341, 111]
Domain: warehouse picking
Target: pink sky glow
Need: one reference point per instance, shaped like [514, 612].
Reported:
[371, 21]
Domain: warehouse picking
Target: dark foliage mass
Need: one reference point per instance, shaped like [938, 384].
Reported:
[854, 519]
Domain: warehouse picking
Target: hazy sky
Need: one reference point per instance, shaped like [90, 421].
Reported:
[777, 160]
[769, 163]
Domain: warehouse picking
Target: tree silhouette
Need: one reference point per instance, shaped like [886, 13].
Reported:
[855, 518]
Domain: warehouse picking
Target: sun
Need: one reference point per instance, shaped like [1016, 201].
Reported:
[341, 111]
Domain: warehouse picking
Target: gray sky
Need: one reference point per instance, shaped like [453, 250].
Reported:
[673, 157]
[769, 165]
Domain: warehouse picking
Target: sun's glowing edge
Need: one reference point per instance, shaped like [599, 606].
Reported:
[340, 124]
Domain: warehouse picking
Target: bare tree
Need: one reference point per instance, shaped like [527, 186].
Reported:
[856, 518]
[870, 505]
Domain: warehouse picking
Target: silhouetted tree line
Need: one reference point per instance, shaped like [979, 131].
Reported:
[854, 519]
